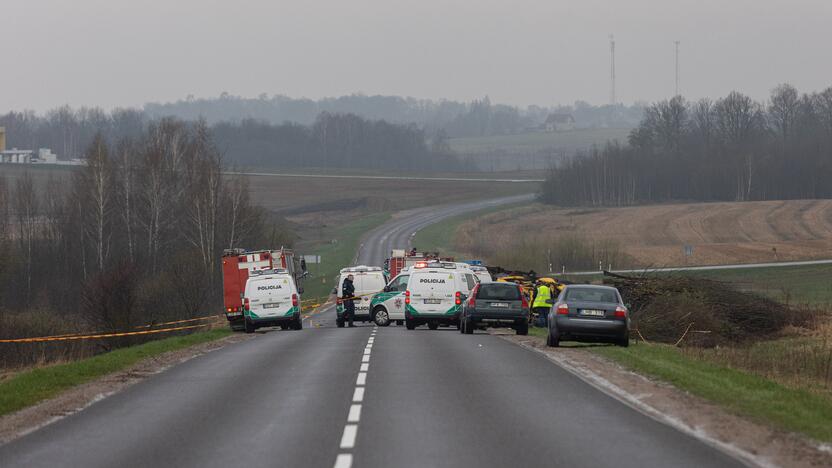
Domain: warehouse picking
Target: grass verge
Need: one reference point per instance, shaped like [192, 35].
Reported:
[30, 387]
[747, 394]
[337, 254]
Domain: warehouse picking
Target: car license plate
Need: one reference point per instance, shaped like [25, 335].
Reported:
[271, 305]
[592, 312]
[433, 301]
[499, 304]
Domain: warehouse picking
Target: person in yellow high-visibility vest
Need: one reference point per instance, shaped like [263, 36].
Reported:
[542, 303]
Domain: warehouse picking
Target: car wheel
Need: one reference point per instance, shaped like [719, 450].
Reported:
[468, 326]
[433, 325]
[298, 323]
[523, 328]
[624, 341]
[552, 339]
[249, 327]
[410, 324]
[381, 317]
[339, 322]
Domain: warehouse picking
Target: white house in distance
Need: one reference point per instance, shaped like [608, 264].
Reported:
[559, 123]
[18, 156]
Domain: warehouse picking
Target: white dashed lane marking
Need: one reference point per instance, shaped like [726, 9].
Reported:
[355, 414]
[348, 439]
[344, 460]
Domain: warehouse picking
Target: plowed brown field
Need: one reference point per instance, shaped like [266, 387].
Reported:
[720, 233]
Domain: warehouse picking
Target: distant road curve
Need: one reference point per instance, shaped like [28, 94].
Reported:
[372, 177]
[738, 266]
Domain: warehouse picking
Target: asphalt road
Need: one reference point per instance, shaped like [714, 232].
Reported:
[363, 397]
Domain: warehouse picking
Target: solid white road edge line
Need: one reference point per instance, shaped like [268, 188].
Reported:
[605, 386]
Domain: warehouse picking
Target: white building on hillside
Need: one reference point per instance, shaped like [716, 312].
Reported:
[16, 156]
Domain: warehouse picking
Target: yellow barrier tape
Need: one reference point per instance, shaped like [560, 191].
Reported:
[107, 335]
[90, 333]
[359, 296]
[103, 334]
[180, 321]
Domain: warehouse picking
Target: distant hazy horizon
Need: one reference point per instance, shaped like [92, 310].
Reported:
[544, 52]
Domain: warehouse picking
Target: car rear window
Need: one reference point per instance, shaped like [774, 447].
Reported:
[499, 292]
[591, 295]
[372, 282]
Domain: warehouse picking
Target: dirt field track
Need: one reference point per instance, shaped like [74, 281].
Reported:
[719, 232]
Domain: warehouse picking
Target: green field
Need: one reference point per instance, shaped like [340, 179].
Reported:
[568, 141]
[30, 387]
[794, 285]
[337, 253]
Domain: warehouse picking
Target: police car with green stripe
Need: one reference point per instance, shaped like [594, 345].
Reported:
[367, 281]
[426, 294]
[271, 299]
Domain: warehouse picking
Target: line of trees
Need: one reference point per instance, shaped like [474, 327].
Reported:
[332, 140]
[133, 237]
[479, 117]
[336, 141]
[731, 149]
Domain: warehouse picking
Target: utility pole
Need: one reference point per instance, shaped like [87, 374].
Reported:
[677, 68]
[612, 70]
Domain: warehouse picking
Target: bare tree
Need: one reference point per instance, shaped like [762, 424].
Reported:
[203, 198]
[97, 196]
[783, 109]
[126, 192]
[26, 217]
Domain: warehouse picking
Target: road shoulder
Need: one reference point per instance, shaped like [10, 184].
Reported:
[32, 418]
[755, 443]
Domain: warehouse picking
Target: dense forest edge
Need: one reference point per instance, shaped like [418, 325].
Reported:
[730, 149]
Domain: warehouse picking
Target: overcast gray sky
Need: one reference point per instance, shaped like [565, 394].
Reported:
[126, 52]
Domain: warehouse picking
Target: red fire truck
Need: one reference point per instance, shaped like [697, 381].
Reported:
[236, 266]
[401, 259]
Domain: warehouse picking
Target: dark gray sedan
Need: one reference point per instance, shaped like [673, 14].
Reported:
[589, 313]
[495, 305]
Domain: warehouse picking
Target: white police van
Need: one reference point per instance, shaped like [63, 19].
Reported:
[428, 293]
[367, 281]
[271, 299]
[482, 273]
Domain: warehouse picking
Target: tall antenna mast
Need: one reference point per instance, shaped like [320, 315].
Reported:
[677, 68]
[612, 70]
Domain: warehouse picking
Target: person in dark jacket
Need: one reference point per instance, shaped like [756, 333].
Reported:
[347, 293]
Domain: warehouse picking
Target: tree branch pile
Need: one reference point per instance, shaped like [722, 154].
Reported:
[662, 308]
